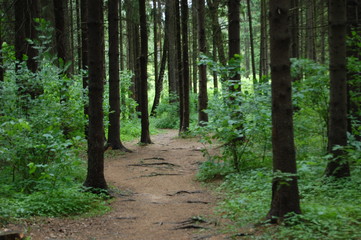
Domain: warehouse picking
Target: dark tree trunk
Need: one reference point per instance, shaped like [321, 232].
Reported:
[337, 134]
[285, 196]
[234, 43]
[354, 86]
[78, 35]
[121, 48]
[31, 11]
[132, 17]
[310, 31]
[60, 13]
[95, 175]
[159, 79]
[171, 28]
[145, 135]
[323, 32]
[180, 65]
[263, 69]
[2, 70]
[295, 41]
[25, 12]
[155, 42]
[202, 96]
[114, 91]
[84, 53]
[185, 113]
[194, 45]
[251, 41]
[217, 31]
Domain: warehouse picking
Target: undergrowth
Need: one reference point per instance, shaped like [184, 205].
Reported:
[331, 208]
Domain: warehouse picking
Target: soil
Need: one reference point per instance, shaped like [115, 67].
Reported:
[157, 197]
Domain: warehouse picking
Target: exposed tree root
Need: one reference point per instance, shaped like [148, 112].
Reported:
[160, 174]
[197, 202]
[154, 158]
[153, 164]
[184, 192]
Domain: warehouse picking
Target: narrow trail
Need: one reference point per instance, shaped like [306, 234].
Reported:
[158, 198]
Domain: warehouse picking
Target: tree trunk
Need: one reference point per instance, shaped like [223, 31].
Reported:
[234, 43]
[180, 66]
[84, 53]
[25, 12]
[202, 96]
[285, 196]
[114, 90]
[159, 79]
[78, 26]
[310, 31]
[121, 48]
[263, 69]
[132, 18]
[95, 174]
[195, 44]
[353, 85]
[251, 41]
[213, 6]
[60, 13]
[185, 113]
[2, 70]
[295, 41]
[171, 28]
[155, 42]
[337, 135]
[145, 135]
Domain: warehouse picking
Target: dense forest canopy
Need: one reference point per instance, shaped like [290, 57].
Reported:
[275, 83]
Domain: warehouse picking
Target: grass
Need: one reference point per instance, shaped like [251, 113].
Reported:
[330, 209]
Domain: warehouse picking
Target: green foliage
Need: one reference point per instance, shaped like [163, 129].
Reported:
[41, 132]
[330, 210]
[168, 113]
[239, 121]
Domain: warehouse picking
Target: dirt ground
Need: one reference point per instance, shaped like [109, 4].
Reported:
[158, 198]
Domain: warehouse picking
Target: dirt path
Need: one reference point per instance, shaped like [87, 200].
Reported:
[159, 198]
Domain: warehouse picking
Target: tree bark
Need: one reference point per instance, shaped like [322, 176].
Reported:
[213, 6]
[84, 54]
[285, 196]
[353, 85]
[114, 90]
[202, 96]
[295, 41]
[2, 70]
[251, 41]
[95, 175]
[145, 135]
[159, 79]
[263, 69]
[195, 50]
[155, 42]
[25, 12]
[185, 113]
[234, 43]
[337, 135]
[171, 28]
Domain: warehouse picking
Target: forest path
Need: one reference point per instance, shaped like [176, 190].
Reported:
[158, 199]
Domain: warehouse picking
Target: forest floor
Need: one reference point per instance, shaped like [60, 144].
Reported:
[156, 197]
